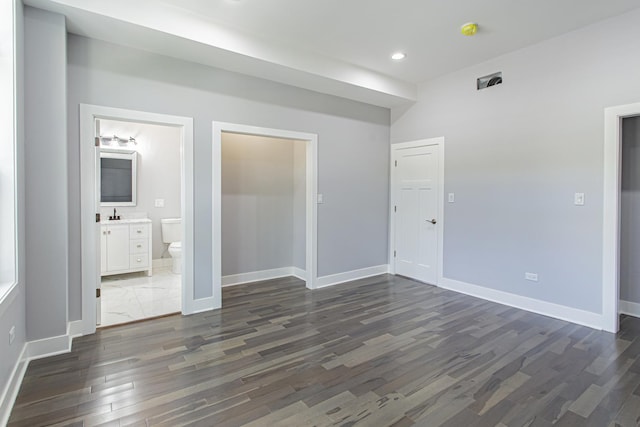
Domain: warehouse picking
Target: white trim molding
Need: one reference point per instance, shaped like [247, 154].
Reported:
[395, 148]
[348, 276]
[33, 350]
[11, 389]
[630, 308]
[256, 276]
[573, 315]
[88, 203]
[611, 212]
[311, 227]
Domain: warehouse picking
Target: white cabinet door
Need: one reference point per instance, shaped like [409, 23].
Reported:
[117, 247]
[103, 248]
[416, 238]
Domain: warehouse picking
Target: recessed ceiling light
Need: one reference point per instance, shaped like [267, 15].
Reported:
[398, 56]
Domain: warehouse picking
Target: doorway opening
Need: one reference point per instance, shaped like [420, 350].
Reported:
[263, 208]
[141, 215]
[122, 233]
[618, 197]
[302, 146]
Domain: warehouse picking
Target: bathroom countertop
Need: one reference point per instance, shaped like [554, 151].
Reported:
[126, 221]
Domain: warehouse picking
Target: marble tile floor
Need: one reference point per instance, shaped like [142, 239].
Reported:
[135, 296]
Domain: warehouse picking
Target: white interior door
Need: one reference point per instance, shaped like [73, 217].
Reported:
[416, 208]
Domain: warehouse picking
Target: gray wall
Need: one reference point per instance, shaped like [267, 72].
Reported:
[158, 174]
[630, 211]
[12, 309]
[352, 223]
[46, 174]
[517, 153]
[299, 204]
[257, 203]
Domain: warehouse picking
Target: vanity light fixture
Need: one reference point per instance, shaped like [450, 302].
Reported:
[398, 56]
[115, 139]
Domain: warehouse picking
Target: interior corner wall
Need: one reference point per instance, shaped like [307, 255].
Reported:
[353, 145]
[46, 201]
[629, 211]
[257, 203]
[517, 152]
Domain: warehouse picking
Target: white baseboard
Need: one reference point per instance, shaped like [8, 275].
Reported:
[48, 347]
[162, 263]
[347, 276]
[256, 276]
[299, 273]
[12, 387]
[630, 308]
[574, 315]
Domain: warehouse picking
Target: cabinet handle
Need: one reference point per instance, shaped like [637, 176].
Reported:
[104, 232]
[109, 232]
[138, 231]
[139, 260]
[139, 246]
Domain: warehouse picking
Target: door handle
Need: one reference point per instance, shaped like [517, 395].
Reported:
[432, 221]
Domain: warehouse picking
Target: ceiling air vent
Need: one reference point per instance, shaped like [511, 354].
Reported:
[490, 80]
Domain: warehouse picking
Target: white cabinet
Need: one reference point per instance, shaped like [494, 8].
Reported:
[125, 247]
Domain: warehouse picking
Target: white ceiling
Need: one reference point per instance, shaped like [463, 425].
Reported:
[340, 47]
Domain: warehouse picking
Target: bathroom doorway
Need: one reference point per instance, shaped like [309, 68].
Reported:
[146, 273]
[140, 240]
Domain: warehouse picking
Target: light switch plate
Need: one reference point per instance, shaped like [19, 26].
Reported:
[578, 199]
[159, 203]
[452, 197]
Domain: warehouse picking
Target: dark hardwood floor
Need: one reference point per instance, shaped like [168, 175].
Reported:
[384, 351]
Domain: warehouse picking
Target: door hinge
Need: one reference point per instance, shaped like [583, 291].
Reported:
[395, 208]
[97, 217]
[97, 141]
[394, 254]
[97, 292]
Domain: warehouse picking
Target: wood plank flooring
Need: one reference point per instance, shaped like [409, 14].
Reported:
[383, 351]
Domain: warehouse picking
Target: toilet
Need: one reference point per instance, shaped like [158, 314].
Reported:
[172, 234]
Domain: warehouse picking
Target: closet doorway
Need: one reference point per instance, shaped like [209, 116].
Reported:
[264, 205]
[621, 130]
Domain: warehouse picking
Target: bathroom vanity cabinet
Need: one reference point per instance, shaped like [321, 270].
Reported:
[125, 247]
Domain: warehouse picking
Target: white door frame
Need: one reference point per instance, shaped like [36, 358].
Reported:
[611, 212]
[88, 194]
[395, 150]
[311, 228]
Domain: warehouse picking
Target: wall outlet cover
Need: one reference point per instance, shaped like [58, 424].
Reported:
[531, 276]
[159, 203]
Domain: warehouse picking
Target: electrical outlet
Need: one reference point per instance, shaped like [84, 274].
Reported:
[452, 197]
[12, 334]
[531, 276]
[320, 199]
[159, 203]
[578, 199]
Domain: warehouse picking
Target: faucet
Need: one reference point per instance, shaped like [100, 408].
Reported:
[115, 215]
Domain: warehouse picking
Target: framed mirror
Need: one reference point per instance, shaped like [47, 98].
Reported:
[118, 177]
